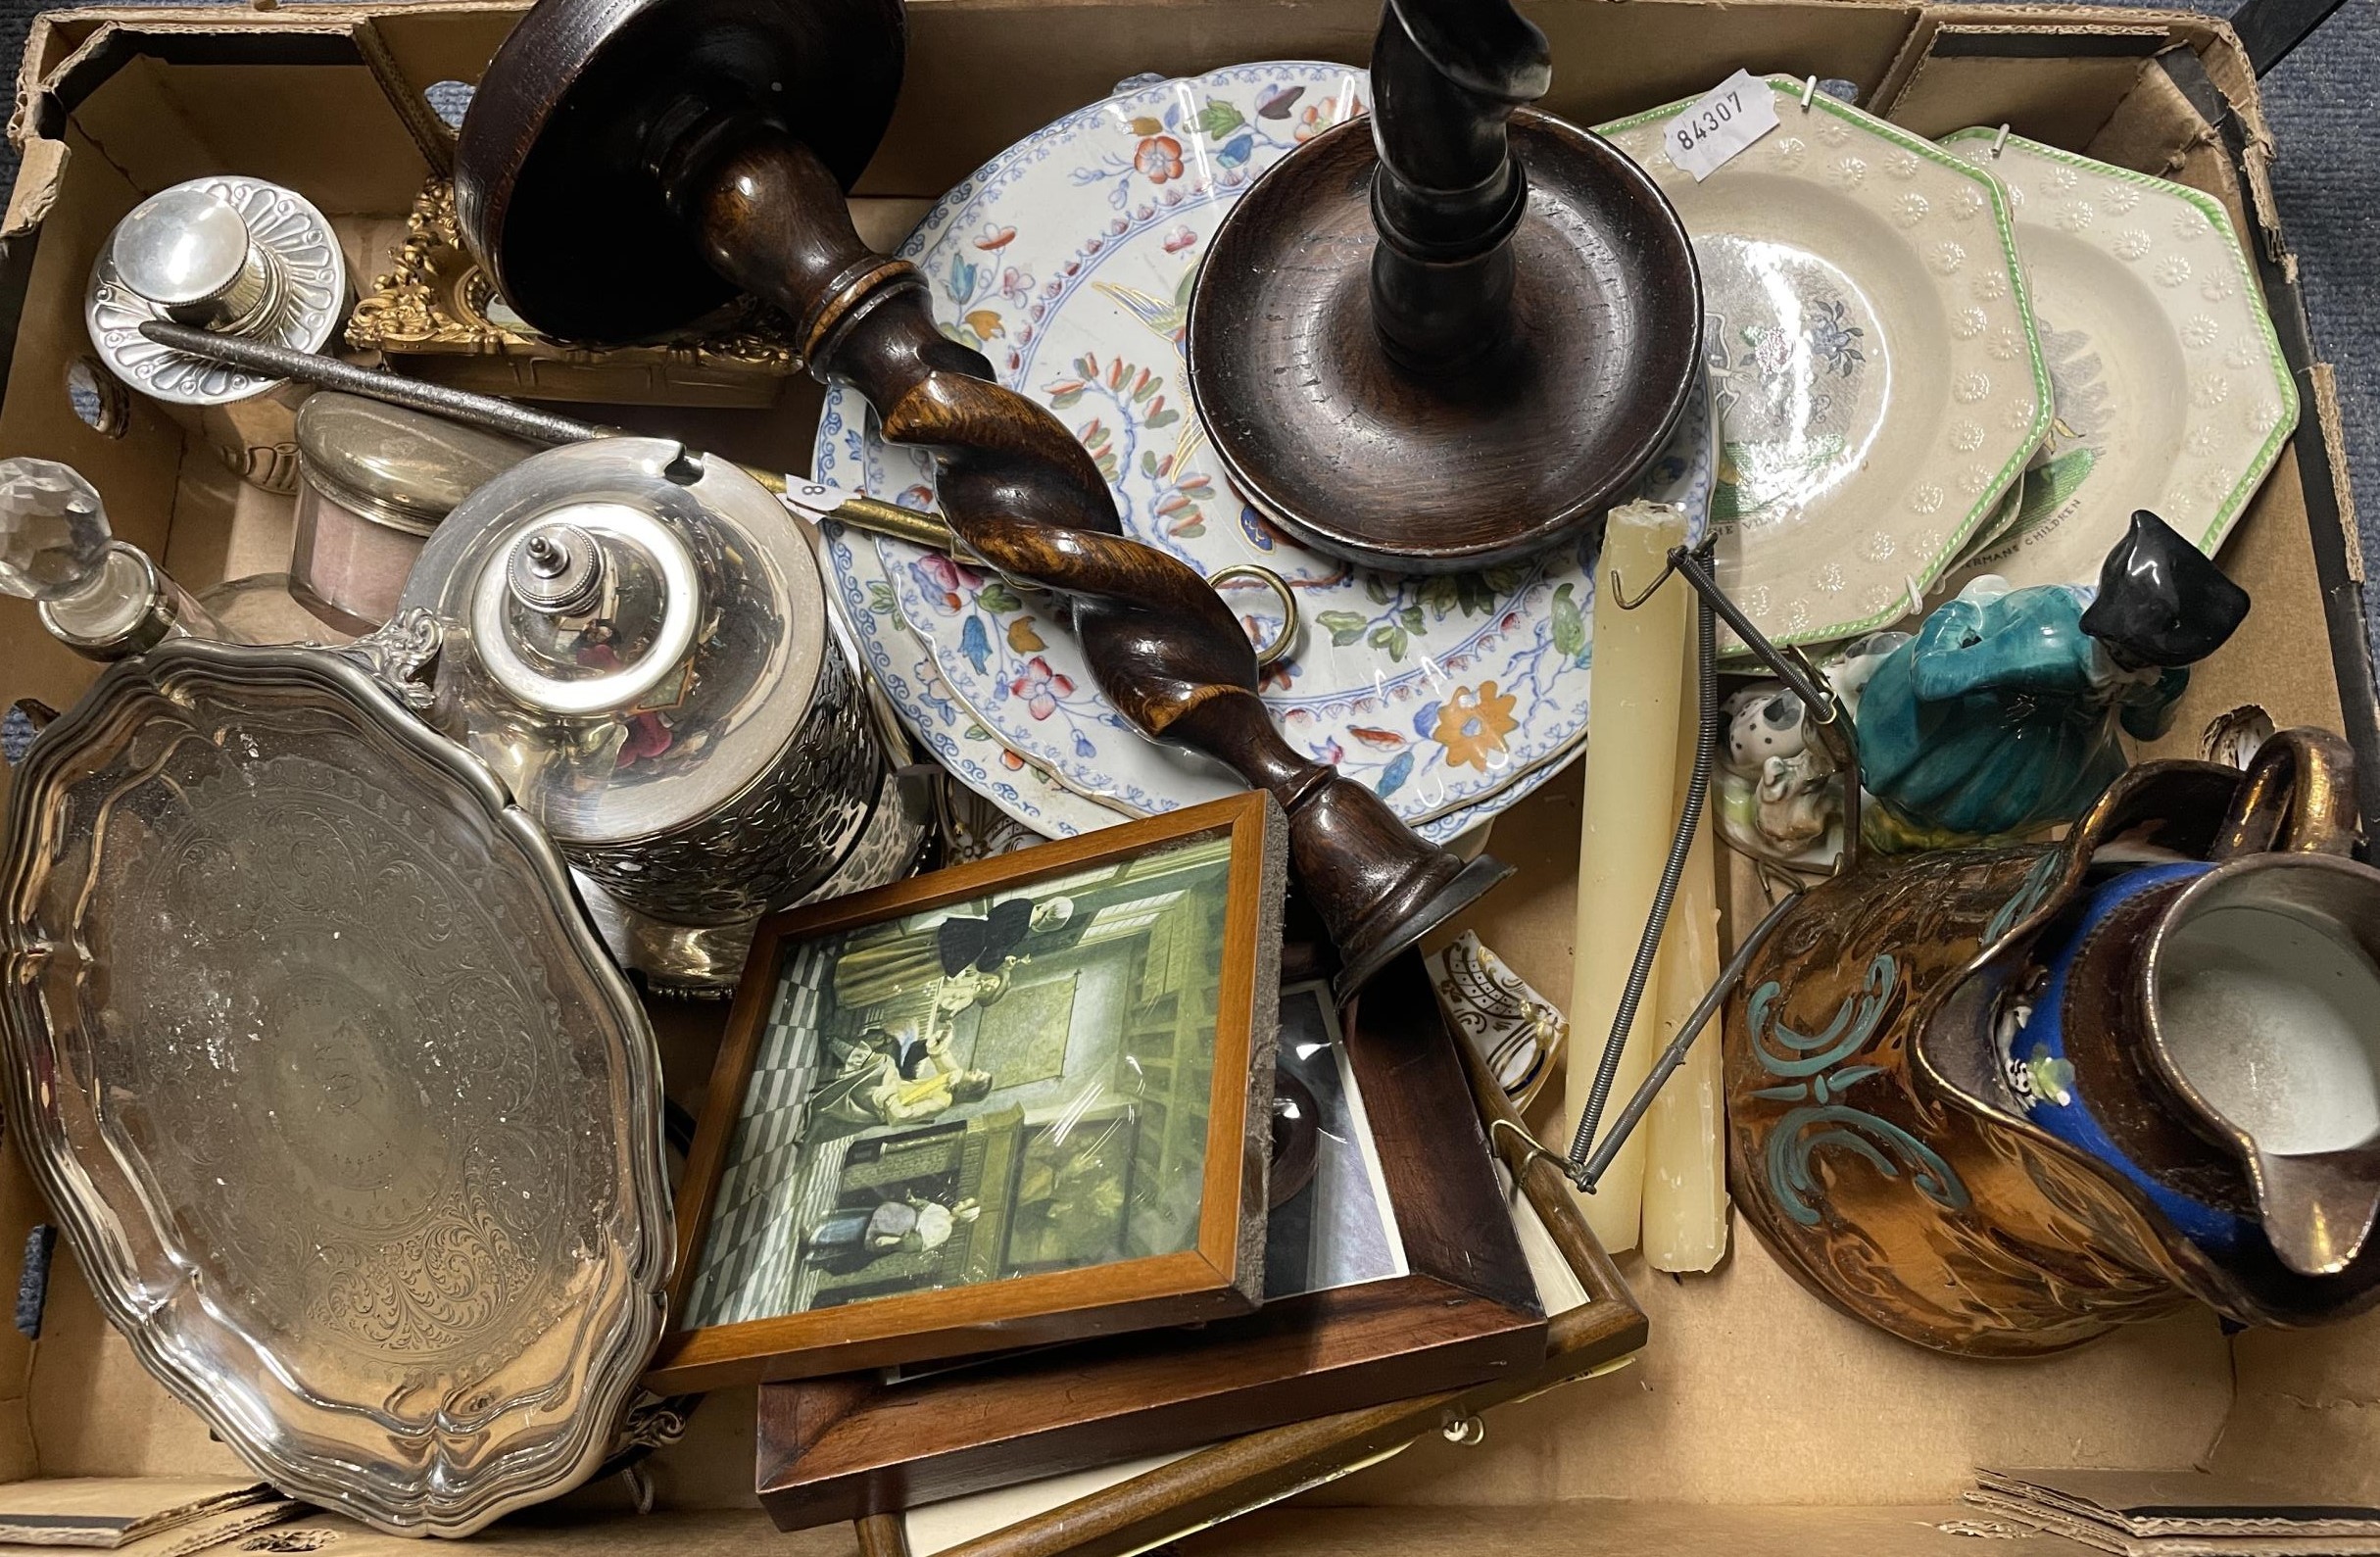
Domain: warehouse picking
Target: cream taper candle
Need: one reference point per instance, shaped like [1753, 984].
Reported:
[1634, 690]
[1685, 1174]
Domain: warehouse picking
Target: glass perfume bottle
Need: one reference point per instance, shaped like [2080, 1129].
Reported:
[101, 597]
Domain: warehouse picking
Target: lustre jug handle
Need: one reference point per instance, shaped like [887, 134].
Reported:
[2297, 797]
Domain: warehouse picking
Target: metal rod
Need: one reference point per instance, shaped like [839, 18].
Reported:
[1590, 1173]
[1829, 719]
[494, 413]
[487, 411]
[1831, 722]
[1695, 565]
[1581, 1167]
[879, 517]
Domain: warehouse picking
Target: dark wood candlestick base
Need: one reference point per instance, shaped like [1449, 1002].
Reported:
[726, 126]
[1454, 334]
[1511, 449]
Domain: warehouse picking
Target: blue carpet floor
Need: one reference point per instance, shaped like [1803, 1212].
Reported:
[2327, 179]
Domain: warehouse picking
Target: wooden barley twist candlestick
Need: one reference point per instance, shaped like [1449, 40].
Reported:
[1454, 333]
[626, 165]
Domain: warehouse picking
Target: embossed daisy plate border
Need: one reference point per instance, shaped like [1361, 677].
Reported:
[1855, 566]
[2225, 444]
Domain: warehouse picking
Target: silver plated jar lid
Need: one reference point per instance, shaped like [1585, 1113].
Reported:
[631, 635]
[353, 1128]
[223, 252]
[399, 468]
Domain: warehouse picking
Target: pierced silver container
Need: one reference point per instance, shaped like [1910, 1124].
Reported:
[638, 641]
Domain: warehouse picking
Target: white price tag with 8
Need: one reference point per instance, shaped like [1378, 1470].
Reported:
[1732, 116]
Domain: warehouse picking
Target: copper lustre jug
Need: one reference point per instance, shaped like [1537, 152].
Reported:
[1998, 1100]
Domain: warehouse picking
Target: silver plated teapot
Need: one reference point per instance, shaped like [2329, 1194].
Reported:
[635, 639]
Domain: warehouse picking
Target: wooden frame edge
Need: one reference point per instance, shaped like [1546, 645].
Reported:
[1466, 1314]
[1244, 1474]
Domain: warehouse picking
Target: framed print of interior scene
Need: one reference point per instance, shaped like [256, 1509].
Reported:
[1391, 1271]
[1002, 1105]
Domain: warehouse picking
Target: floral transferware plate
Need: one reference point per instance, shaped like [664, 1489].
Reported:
[1873, 356]
[2170, 390]
[1068, 261]
[903, 667]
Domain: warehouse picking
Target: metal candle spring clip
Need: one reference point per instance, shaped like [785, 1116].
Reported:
[1831, 722]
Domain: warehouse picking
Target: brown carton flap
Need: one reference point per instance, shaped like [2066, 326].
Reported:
[2045, 78]
[1615, 60]
[2154, 1503]
[115, 1511]
[1751, 1390]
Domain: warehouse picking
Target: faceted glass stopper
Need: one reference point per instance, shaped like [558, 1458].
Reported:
[53, 530]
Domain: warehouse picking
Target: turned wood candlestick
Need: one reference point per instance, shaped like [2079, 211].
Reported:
[1456, 332]
[628, 165]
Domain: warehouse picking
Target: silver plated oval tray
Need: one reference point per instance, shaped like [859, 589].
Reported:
[353, 1128]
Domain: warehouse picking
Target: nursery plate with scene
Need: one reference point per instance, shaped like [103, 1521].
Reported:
[1871, 356]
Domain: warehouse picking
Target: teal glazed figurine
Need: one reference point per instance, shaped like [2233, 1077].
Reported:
[2001, 714]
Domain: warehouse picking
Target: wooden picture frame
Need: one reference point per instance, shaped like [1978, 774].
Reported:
[1465, 1311]
[1239, 1476]
[793, 1311]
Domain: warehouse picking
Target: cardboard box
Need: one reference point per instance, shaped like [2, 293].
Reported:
[1758, 1420]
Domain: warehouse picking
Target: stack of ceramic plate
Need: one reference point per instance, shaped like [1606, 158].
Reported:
[1067, 261]
[1930, 361]
[1872, 358]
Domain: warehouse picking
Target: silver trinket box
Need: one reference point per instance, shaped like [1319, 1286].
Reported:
[229, 254]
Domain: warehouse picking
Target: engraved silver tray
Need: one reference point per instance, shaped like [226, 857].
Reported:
[353, 1125]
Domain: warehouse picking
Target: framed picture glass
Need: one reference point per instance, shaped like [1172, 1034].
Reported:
[1332, 1223]
[1140, 1504]
[1014, 1102]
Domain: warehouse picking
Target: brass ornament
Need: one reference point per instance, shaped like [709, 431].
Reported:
[437, 311]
